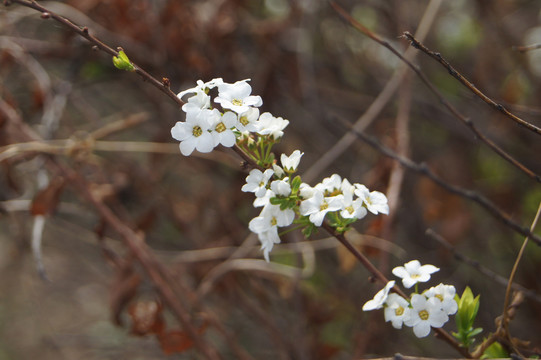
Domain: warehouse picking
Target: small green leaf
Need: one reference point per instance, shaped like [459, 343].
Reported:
[122, 62]
[295, 184]
[495, 351]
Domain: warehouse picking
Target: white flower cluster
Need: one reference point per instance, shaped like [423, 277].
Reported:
[282, 196]
[430, 309]
[333, 194]
[207, 127]
[337, 194]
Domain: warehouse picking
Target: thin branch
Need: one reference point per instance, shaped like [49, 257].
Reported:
[457, 75]
[440, 97]
[480, 268]
[98, 44]
[163, 85]
[379, 103]
[505, 316]
[523, 49]
[422, 168]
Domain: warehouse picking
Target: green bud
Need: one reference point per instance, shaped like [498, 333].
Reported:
[122, 62]
[468, 306]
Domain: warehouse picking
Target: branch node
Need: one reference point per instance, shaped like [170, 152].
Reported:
[85, 30]
[166, 82]
[45, 15]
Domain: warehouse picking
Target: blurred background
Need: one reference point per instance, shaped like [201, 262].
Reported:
[318, 72]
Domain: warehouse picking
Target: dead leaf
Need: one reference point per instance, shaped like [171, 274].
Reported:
[46, 200]
[174, 341]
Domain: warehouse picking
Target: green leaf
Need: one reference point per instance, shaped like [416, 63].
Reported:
[495, 351]
[122, 62]
[295, 184]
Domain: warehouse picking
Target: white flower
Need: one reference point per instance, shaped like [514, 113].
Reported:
[197, 103]
[201, 87]
[330, 184]
[268, 239]
[346, 187]
[265, 199]
[412, 273]
[221, 131]
[425, 313]
[248, 120]
[270, 125]
[193, 133]
[352, 208]
[281, 187]
[375, 201]
[278, 171]
[267, 223]
[318, 206]
[379, 299]
[237, 96]
[397, 310]
[291, 162]
[445, 294]
[306, 191]
[256, 181]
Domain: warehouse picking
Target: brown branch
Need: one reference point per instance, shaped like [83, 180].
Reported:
[440, 97]
[480, 268]
[98, 44]
[422, 168]
[163, 85]
[523, 49]
[457, 75]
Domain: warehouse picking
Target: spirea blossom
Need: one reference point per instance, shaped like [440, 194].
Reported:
[445, 294]
[194, 133]
[237, 96]
[318, 206]
[380, 298]
[256, 181]
[412, 273]
[227, 114]
[425, 314]
[291, 162]
[397, 310]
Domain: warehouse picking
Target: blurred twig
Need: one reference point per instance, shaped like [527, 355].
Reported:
[85, 32]
[505, 316]
[457, 75]
[381, 100]
[480, 268]
[432, 88]
[523, 49]
[422, 168]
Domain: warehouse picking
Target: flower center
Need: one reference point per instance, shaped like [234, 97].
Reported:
[350, 209]
[236, 102]
[197, 131]
[274, 221]
[324, 206]
[415, 276]
[221, 127]
[439, 296]
[399, 311]
[424, 315]
[244, 120]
